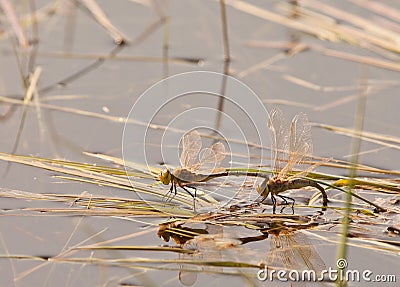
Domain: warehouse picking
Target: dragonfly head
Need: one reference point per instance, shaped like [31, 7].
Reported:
[165, 176]
[263, 189]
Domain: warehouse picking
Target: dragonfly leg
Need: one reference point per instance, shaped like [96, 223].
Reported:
[285, 199]
[185, 188]
[172, 191]
[167, 196]
[194, 197]
[273, 203]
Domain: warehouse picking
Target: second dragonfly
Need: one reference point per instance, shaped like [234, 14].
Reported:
[289, 146]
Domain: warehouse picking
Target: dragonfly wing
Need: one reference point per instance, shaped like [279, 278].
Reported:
[299, 144]
[281, 254]
[278, 129]
[191, 146]
[308, 254]
[212, 158]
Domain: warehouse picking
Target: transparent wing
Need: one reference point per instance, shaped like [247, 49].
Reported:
[278, 129]
[281, 254]
[211, 159]
[307, 253]
[191, 146]
[299, 143]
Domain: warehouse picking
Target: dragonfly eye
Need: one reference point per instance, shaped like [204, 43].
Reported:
[262, 189]
[165, 177]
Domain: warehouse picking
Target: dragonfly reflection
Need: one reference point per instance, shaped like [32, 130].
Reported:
[291, 250]
[289, 247]
[198, 244]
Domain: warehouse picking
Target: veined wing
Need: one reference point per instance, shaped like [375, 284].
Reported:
[299, 143]
[292, 251]
[211, 159]
[191, 146]
[307, 253]
[282, 255]
[278, 129]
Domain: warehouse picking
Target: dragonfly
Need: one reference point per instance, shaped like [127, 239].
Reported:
[197, 165]
[290, 145]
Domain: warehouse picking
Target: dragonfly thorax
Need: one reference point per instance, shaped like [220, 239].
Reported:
[277, 185]
[274, 185]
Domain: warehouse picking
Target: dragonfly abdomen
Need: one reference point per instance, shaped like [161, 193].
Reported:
[277, 186]
[300, 183]
[188, 176]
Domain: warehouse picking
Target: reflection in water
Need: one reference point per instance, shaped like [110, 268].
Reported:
[179, 234]
[289, 248]
[203, 241]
